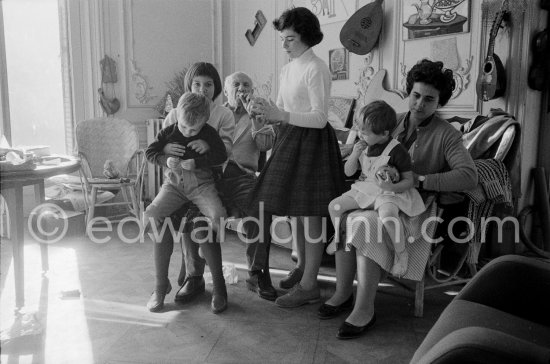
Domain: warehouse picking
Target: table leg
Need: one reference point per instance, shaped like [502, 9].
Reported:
[40, 198]
[14, 200]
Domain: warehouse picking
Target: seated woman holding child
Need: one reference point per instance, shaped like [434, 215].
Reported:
[440, 165]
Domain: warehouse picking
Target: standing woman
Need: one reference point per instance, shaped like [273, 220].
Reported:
[305, 170]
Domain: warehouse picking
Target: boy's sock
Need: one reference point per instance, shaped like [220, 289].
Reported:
[162, 252]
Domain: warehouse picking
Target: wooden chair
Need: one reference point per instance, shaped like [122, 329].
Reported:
[436, 276]
[117, 140]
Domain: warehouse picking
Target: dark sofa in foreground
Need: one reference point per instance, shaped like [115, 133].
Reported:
[501, 316]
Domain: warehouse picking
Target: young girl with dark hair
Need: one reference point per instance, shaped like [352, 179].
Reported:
[305, 170]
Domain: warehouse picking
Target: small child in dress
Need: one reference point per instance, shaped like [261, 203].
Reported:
[191, 177]
[386, 181]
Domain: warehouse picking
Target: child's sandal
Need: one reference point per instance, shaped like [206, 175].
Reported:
[400, 263]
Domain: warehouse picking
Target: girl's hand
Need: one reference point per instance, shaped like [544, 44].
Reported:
[254, 105]
[384, 184]
[273, 114]
[359, 147]
[268, 110]
[188, 164]
[259, 122]
[173, 162]
[174, 149]
[345, 149]
[199, 146]
[388, 172]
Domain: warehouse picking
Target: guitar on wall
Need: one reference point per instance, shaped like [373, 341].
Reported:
[491, 82]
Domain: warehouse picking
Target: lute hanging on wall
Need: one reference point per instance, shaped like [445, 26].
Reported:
[360, 33]
[491, 82]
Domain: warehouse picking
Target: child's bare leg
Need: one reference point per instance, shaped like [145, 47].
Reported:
[389, 215]
[338, 207]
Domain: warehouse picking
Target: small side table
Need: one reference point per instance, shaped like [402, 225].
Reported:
[11, 187]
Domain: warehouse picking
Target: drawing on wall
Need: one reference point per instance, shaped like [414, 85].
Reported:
[425, 18]
[330, 11]
[340, 111]
[263, 89]
[339, 63]
[140, 85]
[365, 76]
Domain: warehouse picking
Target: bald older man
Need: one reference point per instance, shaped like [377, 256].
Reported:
[251, 137]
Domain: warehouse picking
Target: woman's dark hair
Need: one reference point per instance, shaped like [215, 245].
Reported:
[432, 73]
[379, 116]
[203, 69]
[304, 22]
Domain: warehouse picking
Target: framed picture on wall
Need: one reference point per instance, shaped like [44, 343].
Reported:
[330, 11]
[425, 18]
[339, 63]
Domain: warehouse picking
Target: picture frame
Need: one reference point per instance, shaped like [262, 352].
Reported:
[339, 63]
[340, 112]
[330, 11]
[425, 18]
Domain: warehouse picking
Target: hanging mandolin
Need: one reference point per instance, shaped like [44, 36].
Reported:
[491, 82]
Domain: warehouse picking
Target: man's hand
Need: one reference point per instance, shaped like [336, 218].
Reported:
[174, 149]
[188, 164]
[199, 146]
[245, 100]
[173, 162]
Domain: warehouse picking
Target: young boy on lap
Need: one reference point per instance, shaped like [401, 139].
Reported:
[191, 177]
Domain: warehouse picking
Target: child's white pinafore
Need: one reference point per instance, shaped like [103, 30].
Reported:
[367, 194]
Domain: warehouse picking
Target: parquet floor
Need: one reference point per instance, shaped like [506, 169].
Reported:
[109, 323]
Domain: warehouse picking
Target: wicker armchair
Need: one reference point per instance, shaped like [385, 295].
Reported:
[117, 140]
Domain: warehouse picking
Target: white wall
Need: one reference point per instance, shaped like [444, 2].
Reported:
[162, 36]
[398, 55]
[149, 40]
[263, 60]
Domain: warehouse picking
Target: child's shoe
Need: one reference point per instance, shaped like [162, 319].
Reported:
[156, 302]
[400, 263]
[219, 297]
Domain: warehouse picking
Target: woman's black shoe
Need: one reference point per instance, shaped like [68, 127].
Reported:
[328, 311]
[349, 331]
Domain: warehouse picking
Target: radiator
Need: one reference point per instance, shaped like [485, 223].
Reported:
[154, 171]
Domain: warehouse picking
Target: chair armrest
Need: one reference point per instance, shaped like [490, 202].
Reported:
[506, 141]
[514, 284]
[136, 162]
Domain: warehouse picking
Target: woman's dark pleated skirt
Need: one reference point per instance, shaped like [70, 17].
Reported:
[303, 174]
